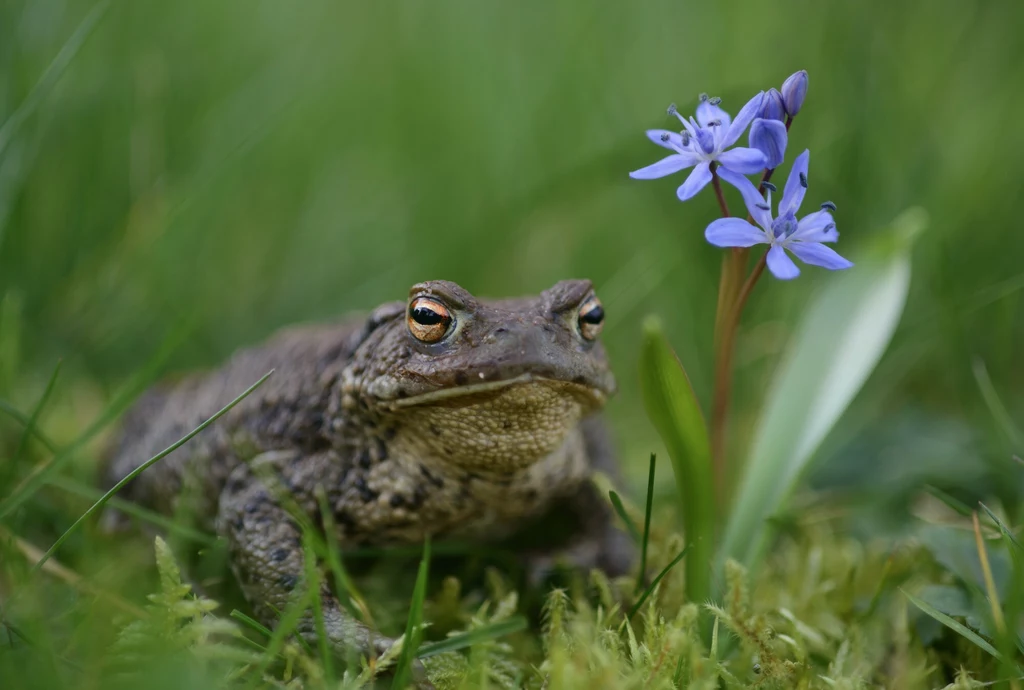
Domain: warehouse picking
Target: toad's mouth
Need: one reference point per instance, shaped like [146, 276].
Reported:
[471, 392]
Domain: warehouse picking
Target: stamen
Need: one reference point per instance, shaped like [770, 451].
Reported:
[664, 136]
[769, 186]
[830, 226]
[763, 207]
[686, 137]
[715, 100]
[672, 109]
[703, 97]
[828, 206]
[715, 123]
[803, 180]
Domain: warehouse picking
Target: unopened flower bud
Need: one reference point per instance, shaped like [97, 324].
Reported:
[794, 91]
[771, 106]
[770, 138]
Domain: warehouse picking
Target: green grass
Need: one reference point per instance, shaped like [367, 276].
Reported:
[180, 179]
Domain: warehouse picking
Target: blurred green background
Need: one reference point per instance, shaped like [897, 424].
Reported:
[236, 166]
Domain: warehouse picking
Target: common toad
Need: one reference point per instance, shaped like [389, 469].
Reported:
[444, 415]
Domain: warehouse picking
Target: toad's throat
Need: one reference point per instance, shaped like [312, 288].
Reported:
[497, 426]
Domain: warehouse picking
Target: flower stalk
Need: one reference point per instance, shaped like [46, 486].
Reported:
[707, 145]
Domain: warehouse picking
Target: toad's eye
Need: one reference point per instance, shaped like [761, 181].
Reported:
[591, 318]
[428, 320]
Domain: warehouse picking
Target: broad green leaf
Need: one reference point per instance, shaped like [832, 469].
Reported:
[847, 328]
[673, 409]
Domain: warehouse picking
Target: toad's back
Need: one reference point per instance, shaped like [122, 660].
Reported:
[286, 411]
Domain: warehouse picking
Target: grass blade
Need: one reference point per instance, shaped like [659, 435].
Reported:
[343, 584]
[135, 510]
[654, 583]
[995, 404]
[413, 626]
[986, 571]
[53, 72]
[642, 577]
[954, 504]
[251, 623]
[313, 580]
[1013, 547]
[286, 625]
[624, 516]
[34, 417]
[143, 467]
[841, 339]
[39, 478]
[673, 409]
[953, 625]
[467, 639]
[25, 421]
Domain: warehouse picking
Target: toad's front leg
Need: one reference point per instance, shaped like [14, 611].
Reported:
[266, 552]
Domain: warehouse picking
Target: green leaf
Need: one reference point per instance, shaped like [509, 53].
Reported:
[414, 624]
[843, 335]
[642, 577]
[655, 581]
[624, 516]
[673, 409]
[953, 625]
[951, 502]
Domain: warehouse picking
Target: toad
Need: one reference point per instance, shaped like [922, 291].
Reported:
[443, 416]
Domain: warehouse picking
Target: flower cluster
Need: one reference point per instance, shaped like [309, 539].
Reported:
[706, 144]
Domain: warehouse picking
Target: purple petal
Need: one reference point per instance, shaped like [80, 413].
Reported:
[816, 227]
[771, 107]
[666, 166]
[672, 141]
[817, 254]
[755, 203]
[706, 112]
[794, 91]
[734, 232]
[697, 181]
[706, 140]
[781, 266]
[743, 118]
[741, 160]
[793, 194]
[769, 137]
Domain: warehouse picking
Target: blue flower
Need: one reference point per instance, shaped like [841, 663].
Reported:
[804, 238]
[702, 142]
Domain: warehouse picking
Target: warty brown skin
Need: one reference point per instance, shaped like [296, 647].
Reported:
[489, 430]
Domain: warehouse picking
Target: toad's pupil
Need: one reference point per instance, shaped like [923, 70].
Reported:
[594, 316]
[427, 317]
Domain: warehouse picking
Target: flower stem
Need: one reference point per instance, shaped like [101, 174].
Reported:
[723, 379]
[726, 281]
[717, 184]
[732, 298]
